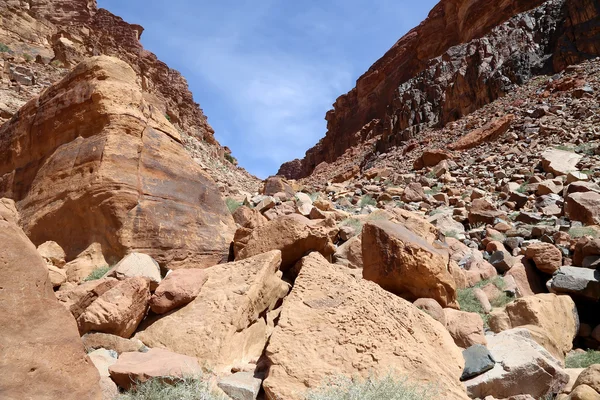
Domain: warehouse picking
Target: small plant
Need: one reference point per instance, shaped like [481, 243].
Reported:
[57, 64]
[232, 204]
[97, 273]
[434, 190]
[367, 200]
[469, 303]
[168, 117]
[387, 388]
[582, 360]
[231, 158]
[564, 148]
[4, 48]
[524, 188]
[582, 231]
[353, 223]
[451, 234]
[314, 196]
[181, 389]
[28, 57]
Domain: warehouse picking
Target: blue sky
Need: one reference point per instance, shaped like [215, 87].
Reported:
[265, 71]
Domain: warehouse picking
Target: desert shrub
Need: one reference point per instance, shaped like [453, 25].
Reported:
[388, 388]
[367, 200]
[451, 234]
[28, 57]
[97, 274]
[231, 159]
[314, 196]
[524, 188]
[565, 148]
[57, 64]
[354, 223]
[583, 360]
[582, 231]
[184, 389]
[4, 48]
[232, 204]
[469, 303]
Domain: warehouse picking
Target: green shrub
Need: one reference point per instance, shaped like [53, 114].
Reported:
[367, 200]
[582, 231]
[314, 196]
[185, 389]
[583, 360]
[232, 204]
[4, 48]
[168, 117]
[57, 64]
[524, 188]
[97, 274]
[354, 223]
[469, 303]
[28, 57]
[231, 158]
[564, 148]
[387, 388]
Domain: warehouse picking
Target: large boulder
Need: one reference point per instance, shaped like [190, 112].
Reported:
[333, 324]
[42, 356]
[294, 235]
[179, 288]
[546, 256]
[349, 254]
[523, 367]
[91, 161]
[406, 264]
[552, 320]
[137, 264]
[560, 162]
[465, 328]
[584, 207]
[85, 263]
[224, 326]
[486, 133]
[590, 377]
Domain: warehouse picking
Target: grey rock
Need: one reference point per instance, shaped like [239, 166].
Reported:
[583, 282]
[241, 386]
[478, 360]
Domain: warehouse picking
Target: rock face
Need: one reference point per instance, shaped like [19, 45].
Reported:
[406, 264]
[91, 161]
[462, 57]
[225, 325]
[313, 340]
[42, 355]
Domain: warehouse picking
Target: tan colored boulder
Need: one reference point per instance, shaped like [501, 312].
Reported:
[332, 324]
[162, 364]
[552, 320]
[52, 253]
[224, 326]
[119, 310]
[86, 262]
[483, 211]
[584, 392]
[293, 235]
[276, 184]
[527, 279]
[465, 328]
[487, 133]
[413, 193]
[97, 340]
[137, 264]
[179, 288]
[431, 158]
[573, 375]
[42, 356]
[560, 162]
[57, 276]
[250, 218]
[584, 207]
[102, 360]
[93, 159]
[590, 377]
[77, 299]
[432, 308]
[406, 264]
[349, 254]
[546, 257]
[523, 367]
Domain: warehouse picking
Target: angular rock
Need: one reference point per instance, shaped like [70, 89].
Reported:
[241, 386]
[547, 257]
[96, 340]
[315, 339]
[477, 361]
[224, 326]
[179, 288]
[92, 160]
[413, 193]
[590, 377]
[86, 262]
[583, 282]
[560, 162]
[527, 279]
[77, 299]
[250, 218]
[119, 310]
[487, 133]
[405, 264]
[522, 367]
[465, 328]
[432, 308]
[136, 367]
[584, 207]
[137, 264]
[294, 236]
[52, 253]
[276, 184]
[42, 355]
[552, 320]
[102, 360]
[484, 212]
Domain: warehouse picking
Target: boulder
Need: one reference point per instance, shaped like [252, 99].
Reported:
[552, 320]
[584, 207]
[431, 158]
[57, 276]
[293, 235]
[487, 133]
[77, 299]
[42, 355]
[276, 184]
[413, 193]
[465, 328]
[179, 288]
[432, 308]
[137, 264]
[250, 218]
[102, 360]
[119, 310]
[590, 377]
[349, 254]
[52, 253]
[583, 392]
[478, 360]
[85, 263]
[241, 386]
[92, 160]
[224, 326]
[523, 367]
[527, 278]
[546, 257]
[484, 212]
[560, 162]
[406, 264]
[97, 340]
[161, 364]
[580, 282]
[333, 324]
[584, 248]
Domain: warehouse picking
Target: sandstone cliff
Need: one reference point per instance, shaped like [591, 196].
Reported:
[463, 56]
